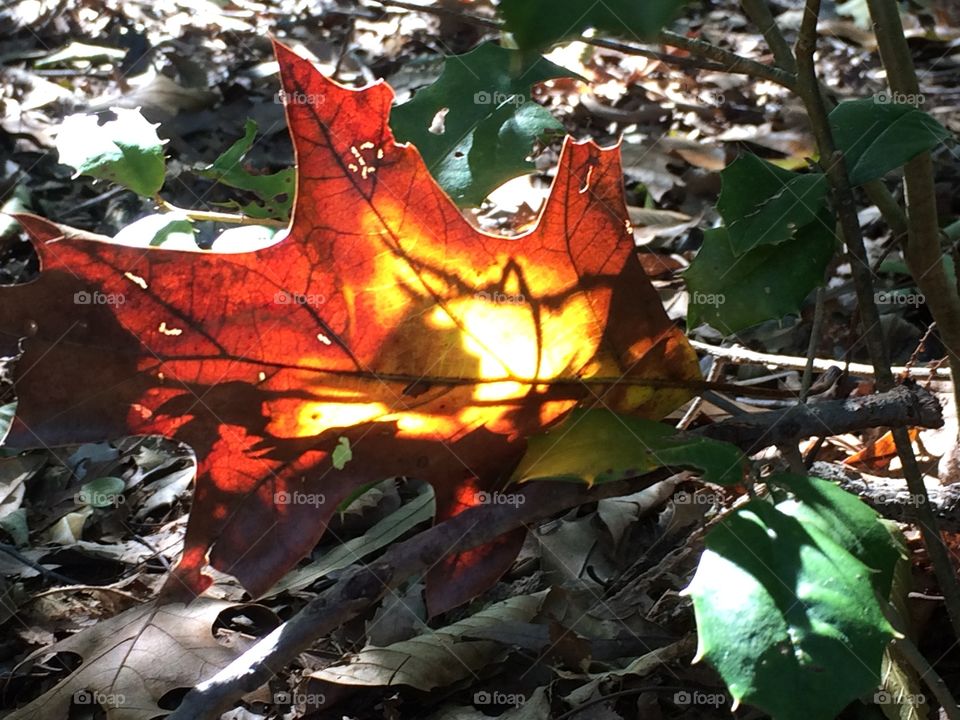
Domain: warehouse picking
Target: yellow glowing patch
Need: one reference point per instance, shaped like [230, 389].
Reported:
[321, 416]
[502, 336]
[423, 425]
[313, 418]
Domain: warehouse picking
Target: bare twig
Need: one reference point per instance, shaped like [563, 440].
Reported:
[742, 355]
[812, 345]
[209, 216]
[759, 12]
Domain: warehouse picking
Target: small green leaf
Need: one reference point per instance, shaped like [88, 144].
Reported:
[342, 454]
[274, 191]
[475, 126]
[102, 492]
[598, 446]
[846, 519]
[731, 293]
[876, 137]
[126, 151]
[538, 23]
[496, 151]
[787, 617]
[762, 204]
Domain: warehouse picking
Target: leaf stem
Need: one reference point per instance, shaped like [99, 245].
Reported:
[221, 217]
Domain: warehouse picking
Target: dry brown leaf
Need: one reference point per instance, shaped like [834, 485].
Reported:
[132, 660]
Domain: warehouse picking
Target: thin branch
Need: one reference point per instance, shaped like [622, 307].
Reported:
[706, 55]
[815, 330]
[742, 355]
[221, 217]
[759, 12]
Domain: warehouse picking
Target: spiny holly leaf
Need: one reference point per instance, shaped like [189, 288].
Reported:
[598, 446]
[876, 137]
[382, 318]
[848, 520]
[126, 150]
[785, 615]
[731, 293]
[275, 191]
[537, 23]
[476, 125]
[762, 204]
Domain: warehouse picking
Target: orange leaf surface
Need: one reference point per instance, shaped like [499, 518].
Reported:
[382, 317]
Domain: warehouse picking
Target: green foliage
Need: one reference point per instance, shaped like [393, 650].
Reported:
[598, 446]
[762, 204]
[490, 124]
[539, 23]
[857, 527]
[274, 192]
[126, 151]
[731, 293]
[876, 137]
[787, 615]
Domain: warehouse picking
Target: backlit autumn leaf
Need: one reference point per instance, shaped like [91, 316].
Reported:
[382, 317]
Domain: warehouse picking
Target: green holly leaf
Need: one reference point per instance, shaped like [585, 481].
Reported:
[274, 191]
[733, 292]
[877, 136]
[476, 125]
[126, 151]
[846, 519]
[538, 23]
[762, 204]
[786, 615]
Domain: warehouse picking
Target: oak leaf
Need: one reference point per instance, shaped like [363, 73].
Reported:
[383, 323]
[131, 661]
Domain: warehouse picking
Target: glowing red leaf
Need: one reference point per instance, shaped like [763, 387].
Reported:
[382, 317]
